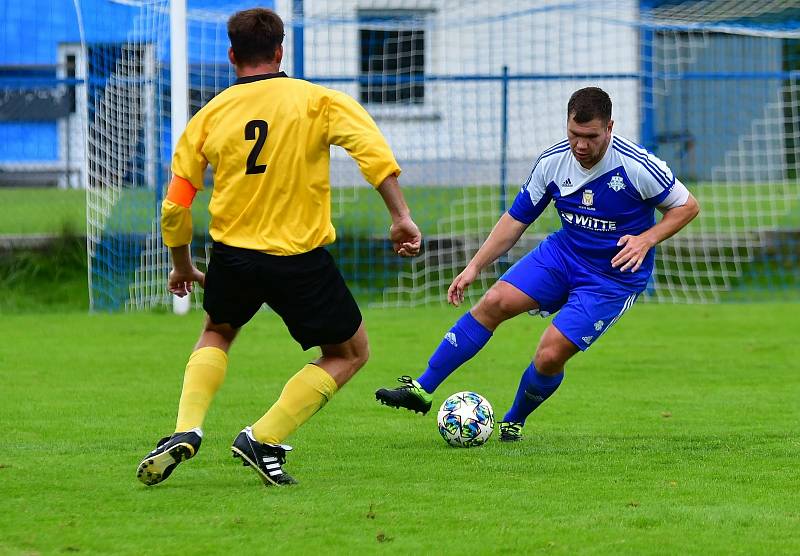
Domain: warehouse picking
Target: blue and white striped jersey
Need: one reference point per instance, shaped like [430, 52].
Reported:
[617, 196]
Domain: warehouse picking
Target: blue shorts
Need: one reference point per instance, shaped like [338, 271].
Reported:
[587, 302]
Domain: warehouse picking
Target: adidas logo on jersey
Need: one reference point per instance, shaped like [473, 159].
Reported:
[587, 339]
[451, 337]
[567, 183]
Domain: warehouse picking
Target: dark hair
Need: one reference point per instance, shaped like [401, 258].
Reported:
[589, 103]
[255, 35]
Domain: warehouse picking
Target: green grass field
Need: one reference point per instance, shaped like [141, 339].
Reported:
[677, 434]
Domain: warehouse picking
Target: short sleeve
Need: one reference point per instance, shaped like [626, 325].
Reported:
[655, 181]
[532, 198]
[676, 196]
[188, 161]
[352, 128]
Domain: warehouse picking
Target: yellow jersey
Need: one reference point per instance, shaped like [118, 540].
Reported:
[267, 139]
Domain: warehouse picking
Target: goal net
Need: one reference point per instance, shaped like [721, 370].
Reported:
[468, 94]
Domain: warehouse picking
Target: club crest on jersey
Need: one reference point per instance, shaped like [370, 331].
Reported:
[588, 197]
[616, 183]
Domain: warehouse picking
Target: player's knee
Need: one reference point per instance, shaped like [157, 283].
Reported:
[356, 355]
[548, 361]
[217, 334]
[495, 305]
[360, 357]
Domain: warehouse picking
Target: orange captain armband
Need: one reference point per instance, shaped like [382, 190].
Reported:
[181, 192]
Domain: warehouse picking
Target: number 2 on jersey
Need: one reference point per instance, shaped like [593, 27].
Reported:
[256, 130]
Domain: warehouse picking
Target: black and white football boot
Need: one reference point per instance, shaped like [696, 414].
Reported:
[265, 459]
[159, 464]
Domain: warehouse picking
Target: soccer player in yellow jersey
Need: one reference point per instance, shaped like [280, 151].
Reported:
[268, 140]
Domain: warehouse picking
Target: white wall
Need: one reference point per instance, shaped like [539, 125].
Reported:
[461, 121]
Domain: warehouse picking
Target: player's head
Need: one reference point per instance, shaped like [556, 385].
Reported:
[256, 36]
[589, 124]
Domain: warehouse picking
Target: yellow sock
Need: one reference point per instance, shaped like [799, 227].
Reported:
[304, 395]
[205, 372]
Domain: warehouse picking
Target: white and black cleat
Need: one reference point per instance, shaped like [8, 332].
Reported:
[159, 464]
[265, 459]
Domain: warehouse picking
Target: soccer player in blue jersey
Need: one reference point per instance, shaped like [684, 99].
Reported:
[589, 273]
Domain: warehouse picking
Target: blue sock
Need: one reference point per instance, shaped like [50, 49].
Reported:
[534, 389]
[460, 344]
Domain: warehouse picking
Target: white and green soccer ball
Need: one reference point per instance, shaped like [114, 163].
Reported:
[466, 419]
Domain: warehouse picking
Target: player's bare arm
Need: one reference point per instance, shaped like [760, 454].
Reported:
[504, 235]
[404, 233]
[635, 248]
[183, 273]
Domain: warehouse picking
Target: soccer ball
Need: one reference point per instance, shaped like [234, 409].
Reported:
[466, 419]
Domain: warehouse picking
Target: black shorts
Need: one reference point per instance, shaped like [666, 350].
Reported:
[306, 290]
